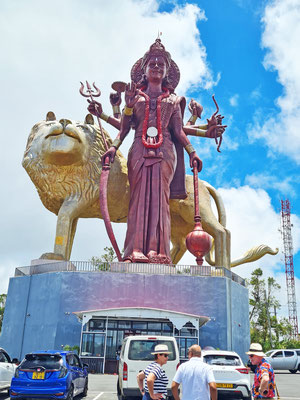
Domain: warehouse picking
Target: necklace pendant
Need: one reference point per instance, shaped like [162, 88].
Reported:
[152, 104]
[152, 131]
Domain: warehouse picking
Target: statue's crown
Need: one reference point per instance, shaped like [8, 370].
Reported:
[156, 49]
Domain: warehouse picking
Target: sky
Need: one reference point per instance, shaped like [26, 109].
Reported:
[246, 52]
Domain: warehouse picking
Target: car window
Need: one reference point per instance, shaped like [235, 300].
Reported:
[288, 353]
[77, 361]
[141, 349]
[298, 352]
[277, 354]
[48, 361]
[221, 359]
[4, 357]
[268, 353]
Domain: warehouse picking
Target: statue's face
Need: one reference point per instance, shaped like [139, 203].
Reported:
[156, 68]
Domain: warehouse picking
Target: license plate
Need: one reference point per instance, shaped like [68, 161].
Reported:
[38, 375]
[225, 385]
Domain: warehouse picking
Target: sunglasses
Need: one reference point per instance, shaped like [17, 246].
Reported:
[163, 354]
[251, 355]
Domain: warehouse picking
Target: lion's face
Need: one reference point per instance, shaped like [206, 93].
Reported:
[63, 159]
[61, 142]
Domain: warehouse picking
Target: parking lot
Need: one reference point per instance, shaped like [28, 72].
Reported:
[104, 387]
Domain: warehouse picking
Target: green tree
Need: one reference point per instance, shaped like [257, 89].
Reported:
[2, 307]
[265, 327]
[102, 262]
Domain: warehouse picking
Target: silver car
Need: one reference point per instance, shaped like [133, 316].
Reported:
[7, 370]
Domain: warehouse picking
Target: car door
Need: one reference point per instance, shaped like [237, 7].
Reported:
[7, 369]
[74, 371]
[290, 357]
[79, 366]
[277, 359]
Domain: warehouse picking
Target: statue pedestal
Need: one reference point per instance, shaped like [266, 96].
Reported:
[40, 303]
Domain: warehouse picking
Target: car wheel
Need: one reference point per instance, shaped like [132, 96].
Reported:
[70, 394]
[85, 390]
[293, 371]
[247, 397]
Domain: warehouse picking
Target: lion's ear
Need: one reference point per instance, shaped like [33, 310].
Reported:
[50, 116]
[89, 119]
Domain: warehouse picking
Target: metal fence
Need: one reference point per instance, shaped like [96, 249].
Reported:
[132, 268]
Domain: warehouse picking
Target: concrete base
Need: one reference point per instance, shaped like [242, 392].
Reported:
[38, 313]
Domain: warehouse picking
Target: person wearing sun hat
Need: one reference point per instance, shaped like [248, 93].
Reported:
[264, 381]
[154, 377]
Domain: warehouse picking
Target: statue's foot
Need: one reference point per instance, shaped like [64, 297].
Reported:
[52, 256]
[159, 258]
[139, 257]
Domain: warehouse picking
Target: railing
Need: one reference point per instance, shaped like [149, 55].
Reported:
[133, 268]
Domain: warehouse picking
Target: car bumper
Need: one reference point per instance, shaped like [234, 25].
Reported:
[47, 393]
[237, 392]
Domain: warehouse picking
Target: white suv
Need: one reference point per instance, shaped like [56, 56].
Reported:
[7, 370]
[136, 355]
[232, 377]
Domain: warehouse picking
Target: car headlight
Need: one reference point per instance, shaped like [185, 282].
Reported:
[63, 372]
[17, 373]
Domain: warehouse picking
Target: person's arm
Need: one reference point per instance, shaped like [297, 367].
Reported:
[264, 384]
[213, 390]
[150, 383]
[174, 388]
[140, 380]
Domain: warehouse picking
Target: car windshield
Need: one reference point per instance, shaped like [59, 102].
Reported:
[221, 359]
[268, 353]
[141, 349]
[48, 361]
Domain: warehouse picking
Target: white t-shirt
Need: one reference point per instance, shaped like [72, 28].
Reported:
[194, 375]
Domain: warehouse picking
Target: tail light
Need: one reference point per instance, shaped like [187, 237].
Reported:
[125, 371]
[243, 370]
[177, 366]
[63, 372]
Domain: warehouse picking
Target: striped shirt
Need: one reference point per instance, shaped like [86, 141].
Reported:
[161, 379]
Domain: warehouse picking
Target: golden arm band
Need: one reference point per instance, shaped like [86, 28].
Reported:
[104, 117]
[116, 110]
[117, 143]
[128, 111]
[189, 148]
[193, 119]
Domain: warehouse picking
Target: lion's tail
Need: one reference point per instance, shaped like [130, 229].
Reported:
[254, 254]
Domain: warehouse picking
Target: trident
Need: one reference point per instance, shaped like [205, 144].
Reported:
[90, 92]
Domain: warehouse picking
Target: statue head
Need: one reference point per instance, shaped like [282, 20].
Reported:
[156, 52]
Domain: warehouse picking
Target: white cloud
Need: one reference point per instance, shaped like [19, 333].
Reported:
[45, 51]
[234, 100]
[281, 39]
[265, 181]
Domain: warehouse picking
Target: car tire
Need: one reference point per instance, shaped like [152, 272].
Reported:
[247, 397]
[293, 371]
[70, 394]
[85, 390]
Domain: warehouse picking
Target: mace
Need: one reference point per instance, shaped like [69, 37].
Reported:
[198, 242]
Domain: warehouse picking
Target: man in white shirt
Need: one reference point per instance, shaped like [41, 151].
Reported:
[196, 377]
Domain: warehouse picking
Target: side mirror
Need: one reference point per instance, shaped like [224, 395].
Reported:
[85, 365]
[15, 361]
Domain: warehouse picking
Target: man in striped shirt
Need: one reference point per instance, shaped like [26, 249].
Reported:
[154, 376]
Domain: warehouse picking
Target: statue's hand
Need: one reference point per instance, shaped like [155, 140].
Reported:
[109, 156]
[195, 108]
[115, 99]
[215, 131]
[95, 108]
[196, 159]
[131, 94]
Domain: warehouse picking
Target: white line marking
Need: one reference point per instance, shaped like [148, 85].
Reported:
[97, 397]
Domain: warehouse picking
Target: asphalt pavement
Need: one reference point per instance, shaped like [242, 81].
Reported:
[103, 387]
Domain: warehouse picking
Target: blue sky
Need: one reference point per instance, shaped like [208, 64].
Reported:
[245, 52]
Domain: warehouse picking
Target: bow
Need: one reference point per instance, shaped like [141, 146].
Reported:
[104, 173]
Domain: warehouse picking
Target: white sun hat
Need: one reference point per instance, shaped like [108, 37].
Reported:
[256, 350]
[161, 348]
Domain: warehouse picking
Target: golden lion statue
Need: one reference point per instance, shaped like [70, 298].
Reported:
[62, 159]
